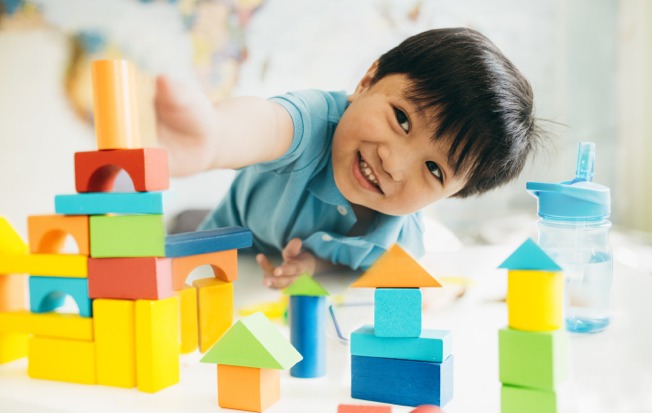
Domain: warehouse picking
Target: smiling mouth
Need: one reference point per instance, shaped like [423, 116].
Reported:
[367, 173]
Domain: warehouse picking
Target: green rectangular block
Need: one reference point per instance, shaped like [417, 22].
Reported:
[535, 359]
[522, 400]
[127, 236]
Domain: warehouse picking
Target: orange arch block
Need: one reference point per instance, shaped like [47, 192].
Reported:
[95, 171]
[115, 106]
[223, 263]
[47, 233]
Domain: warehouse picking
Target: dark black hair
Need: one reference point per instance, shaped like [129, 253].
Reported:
[478, 100]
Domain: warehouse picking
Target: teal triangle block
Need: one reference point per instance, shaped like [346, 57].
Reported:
[305, 285]
[529, 256]
[253, 342]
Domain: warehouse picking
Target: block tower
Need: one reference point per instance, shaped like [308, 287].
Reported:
[395, 360]
[533, 348]
[127, 278]
[249, 357]
[307, 319]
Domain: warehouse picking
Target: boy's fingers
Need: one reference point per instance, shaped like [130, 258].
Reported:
[292, 249]
[279, 282]
[267, 267]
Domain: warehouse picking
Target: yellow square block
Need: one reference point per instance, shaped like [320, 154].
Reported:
[215, 303]
[55, 325]
[115, 342]
[188, 316]
[12, 346]
[53, 265]
[534, 300]
[157, 344]
[61, 360]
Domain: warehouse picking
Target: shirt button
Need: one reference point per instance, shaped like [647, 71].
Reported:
[326, 238]
[342, 210]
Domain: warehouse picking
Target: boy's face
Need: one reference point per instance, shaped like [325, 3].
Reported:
[383, 155]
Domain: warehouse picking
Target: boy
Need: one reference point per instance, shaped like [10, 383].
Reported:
[330, 179]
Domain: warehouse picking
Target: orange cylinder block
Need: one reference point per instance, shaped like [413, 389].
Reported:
[115, 106]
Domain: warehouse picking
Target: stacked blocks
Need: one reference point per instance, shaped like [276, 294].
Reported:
[131, 312]
[395, 360]
[248, 357]
[307, 319]
[533, 349]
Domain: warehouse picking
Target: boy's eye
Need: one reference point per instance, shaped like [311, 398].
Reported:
[434, 169]
[402, 119]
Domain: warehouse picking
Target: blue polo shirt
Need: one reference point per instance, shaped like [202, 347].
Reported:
[295, 196]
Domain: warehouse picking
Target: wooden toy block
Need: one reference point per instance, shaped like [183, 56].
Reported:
[59, 265]
[211, 240]
[305, 285]
[130, 278]
[307, 320]
[397, 312]
[48, 293]
[396, 269]
[47, 233]
[188, 318]
[13, 346]
[427, 408]
[533, 359]
[115, 106]
[253, 341]
[115, 342]
[534, 300]
[518, 400]
[529, 256]
[13, 294]
[118, 236]
[247, 388]
[215, 310]
[157, 344]
[404, 382]
[431, 345]
[366, 408]
[53, 325]
[10, 241]
[223, 263]
[95, 171]
[104, 203]
[61, 360]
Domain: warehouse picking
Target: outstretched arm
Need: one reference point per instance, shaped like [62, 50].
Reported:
[233, 133]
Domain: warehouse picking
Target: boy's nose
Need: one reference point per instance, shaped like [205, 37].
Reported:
[394, 161]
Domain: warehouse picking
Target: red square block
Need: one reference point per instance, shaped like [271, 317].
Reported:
[147, 278]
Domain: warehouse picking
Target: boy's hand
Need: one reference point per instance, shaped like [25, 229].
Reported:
[184, 123]
[295, 263]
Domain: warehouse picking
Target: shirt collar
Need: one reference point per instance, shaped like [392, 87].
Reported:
[323, 187]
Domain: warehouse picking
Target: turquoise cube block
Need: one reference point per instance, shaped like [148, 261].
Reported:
[397, 312]
[431, 345]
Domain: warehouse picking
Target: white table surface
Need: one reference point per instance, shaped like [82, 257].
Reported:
[610, 371]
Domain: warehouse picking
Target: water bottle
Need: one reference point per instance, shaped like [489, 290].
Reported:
[574, 231]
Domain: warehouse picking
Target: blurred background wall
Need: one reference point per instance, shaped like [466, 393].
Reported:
[589, 62]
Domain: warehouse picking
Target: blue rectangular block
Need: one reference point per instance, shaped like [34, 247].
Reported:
[404, 382]
[397, 312]
[103, 203]
[211, 240]
[431, 345]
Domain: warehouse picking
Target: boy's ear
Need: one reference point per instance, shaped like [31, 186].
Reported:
[365, 82]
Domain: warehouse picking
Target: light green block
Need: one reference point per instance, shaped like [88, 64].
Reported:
[127, 236]
[305, 285]
[524, 400]
[533, 359]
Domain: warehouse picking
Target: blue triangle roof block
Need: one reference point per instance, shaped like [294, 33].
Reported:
[529, 256]
[210, 240]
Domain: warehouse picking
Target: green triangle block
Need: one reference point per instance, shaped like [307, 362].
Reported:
[253, 342]
[529, 256]
[307, 286]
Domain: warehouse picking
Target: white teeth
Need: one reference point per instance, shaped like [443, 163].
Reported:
[367, 172]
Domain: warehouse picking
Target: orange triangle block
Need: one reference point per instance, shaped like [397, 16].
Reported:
[396, 269]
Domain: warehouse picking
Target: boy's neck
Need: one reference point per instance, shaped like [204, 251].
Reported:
[365, 217]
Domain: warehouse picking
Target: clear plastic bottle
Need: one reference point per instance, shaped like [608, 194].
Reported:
[574, 231]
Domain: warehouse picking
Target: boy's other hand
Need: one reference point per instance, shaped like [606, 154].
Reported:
[295, 263]
[184, 124]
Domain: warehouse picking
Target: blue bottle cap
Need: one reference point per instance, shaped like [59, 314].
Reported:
[575, 200]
